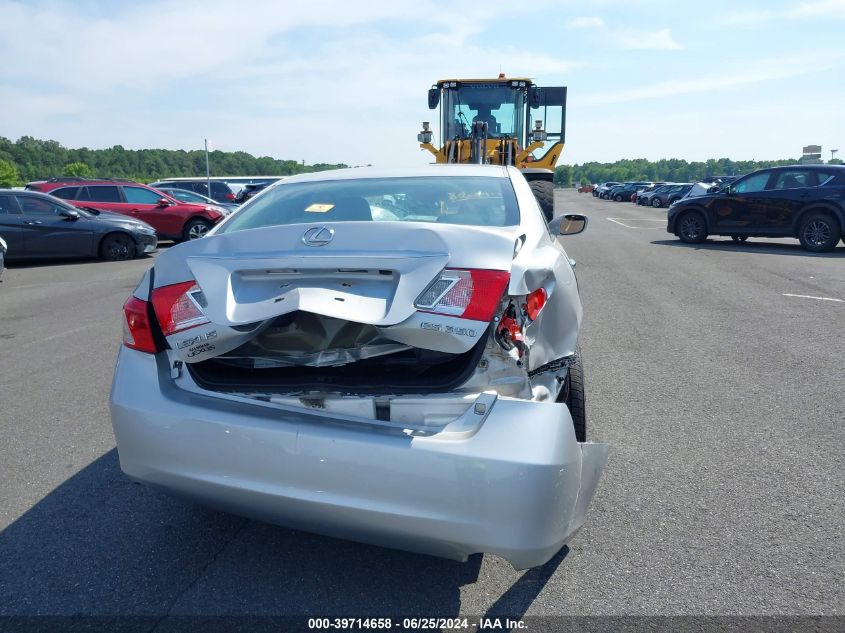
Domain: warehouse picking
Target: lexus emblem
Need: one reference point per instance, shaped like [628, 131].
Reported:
[318, 236]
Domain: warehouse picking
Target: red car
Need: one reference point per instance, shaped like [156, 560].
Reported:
[171, 218]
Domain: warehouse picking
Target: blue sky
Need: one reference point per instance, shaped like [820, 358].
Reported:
[339, 81]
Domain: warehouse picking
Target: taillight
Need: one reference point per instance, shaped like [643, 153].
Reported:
[468, 294]
[136, 326]
[179, 307]
[230, 196]
[534, 302]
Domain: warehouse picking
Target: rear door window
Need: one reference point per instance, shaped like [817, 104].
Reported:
[794, 179]
[103, 193]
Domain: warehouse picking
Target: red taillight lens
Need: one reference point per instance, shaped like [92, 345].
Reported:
[230, 196]
[179, 307]
[468, 294]
[136, 326]
[534, 302]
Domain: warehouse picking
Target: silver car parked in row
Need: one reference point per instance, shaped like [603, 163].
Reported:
[384, 356]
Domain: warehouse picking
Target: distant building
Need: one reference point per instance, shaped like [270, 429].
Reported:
[812, 155]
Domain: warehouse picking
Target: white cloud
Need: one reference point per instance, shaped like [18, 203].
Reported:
[585, 22]
[646, 40]
[756, 72]
[821, 9]
[324, 82]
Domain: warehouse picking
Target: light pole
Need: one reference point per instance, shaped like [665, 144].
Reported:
[207, 171]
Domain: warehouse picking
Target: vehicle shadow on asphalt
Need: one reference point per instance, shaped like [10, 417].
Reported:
[751, 246]
[76, 261]
[101, 545]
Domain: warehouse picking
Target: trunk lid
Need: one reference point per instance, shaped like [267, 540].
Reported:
[362, 272]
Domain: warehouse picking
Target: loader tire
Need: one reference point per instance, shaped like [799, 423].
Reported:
[573, 395]
[544, 191]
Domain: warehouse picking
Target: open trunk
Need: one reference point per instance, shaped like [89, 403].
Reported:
[304, 352]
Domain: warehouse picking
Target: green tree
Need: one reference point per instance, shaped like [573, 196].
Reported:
[8, 174]
[80, 170]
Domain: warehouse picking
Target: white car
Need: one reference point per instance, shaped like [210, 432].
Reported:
[3, 249]
[407, 377]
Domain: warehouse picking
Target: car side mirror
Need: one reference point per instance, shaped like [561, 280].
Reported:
[70, 214]
[568, 224]
[163, 202]
[534, 98]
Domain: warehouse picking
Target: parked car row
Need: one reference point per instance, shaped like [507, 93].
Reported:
[655, 194]
[110, 218]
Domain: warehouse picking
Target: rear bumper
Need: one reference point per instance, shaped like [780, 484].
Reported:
[519, 486]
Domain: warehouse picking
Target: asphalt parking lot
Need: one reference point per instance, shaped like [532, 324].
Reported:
[714, 371]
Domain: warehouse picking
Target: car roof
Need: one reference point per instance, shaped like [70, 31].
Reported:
[356, 173]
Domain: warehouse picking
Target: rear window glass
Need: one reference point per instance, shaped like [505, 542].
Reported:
[826, 178]
[220, 188]
[471, 200]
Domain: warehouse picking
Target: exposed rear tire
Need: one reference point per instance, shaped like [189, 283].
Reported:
[195, 229]
[819, 232]
[573, 395]
[692, 228]
[544, 191]
[117, 247]
[656, 202]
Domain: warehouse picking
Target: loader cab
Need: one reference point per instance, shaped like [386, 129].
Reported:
[525, 122]
[502, 106]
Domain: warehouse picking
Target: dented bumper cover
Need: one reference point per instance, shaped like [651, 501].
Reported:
[513, 482]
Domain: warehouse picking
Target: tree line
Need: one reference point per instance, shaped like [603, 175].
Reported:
[29, 159]
[666, 169]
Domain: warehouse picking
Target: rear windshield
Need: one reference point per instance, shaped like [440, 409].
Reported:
[471, 200]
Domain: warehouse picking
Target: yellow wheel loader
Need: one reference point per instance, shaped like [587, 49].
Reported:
[503, 121]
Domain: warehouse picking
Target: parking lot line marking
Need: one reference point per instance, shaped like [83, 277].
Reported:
[627, 226]
[786, 294]
[59, 335]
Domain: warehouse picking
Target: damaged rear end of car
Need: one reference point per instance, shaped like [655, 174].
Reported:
[380, 359]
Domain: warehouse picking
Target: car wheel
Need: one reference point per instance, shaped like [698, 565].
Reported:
[618, 198]
[819, 232]
[572, 394]
[195, 229]
[656, 202]
[117, 247]
[544, 191]
[739, 238]
[692, 228]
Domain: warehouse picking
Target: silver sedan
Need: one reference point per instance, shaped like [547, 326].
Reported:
[384, 356]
